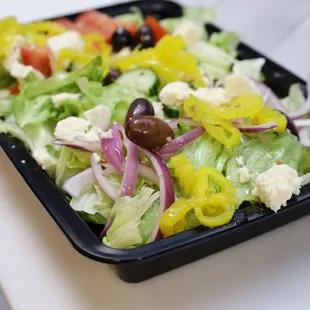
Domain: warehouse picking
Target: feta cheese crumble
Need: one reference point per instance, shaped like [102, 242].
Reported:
[175, 93]
[276, 186]
[244, 174]
[99, 116]
[158, 109]
[215, 96]
[238, 85]
[74, 129]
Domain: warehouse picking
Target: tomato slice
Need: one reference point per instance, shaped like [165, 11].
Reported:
[99, 23]
[66, 22]
[14, 90]
[158, 30]
[38, 58]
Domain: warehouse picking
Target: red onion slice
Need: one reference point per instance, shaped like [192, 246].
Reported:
[302, 123]
[177, 144]
[256, 128]
[101, 179]
[82, 146]
[165, 187]
[112, 148]
[131, 171]
[271, 99]
[76, 184]
[187, 121]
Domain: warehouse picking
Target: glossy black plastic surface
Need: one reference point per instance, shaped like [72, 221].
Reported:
[139, 264]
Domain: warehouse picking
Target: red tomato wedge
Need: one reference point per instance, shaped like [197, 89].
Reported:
[14, 90]
[66, 22]
[98, 22]
[38, 58]
[158, 30]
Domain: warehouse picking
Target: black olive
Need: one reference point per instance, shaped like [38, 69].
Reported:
[121, 38]
[111, 77]
[149, 132]
[139, 106]
[145, 37]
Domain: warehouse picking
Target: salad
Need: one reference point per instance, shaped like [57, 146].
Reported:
[151, 127]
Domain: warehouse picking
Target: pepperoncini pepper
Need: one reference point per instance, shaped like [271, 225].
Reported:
[168, 59]
[268, 114]
[210, 195]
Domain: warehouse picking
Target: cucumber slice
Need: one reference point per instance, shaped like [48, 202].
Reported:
[144, 80]
[171, 112]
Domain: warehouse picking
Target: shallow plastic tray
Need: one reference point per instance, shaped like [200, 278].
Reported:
[142, 263]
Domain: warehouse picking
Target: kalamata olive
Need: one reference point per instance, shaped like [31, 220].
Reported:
[139, 106]
[121, 38]
[145, 37]
[111, 77]
[149, 132]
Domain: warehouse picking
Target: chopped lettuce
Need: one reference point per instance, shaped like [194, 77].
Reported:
[32, 111]
[250, 67]
[5, 78]
[259, 154]
[6, 106]
[295, 99]
[120, 111]
[57, 83]
[93, 205]
[70, 162]
[128, 214]
[226, 41]
[208, 53]
[213, 72]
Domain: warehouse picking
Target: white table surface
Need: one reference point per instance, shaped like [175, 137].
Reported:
[39, 270]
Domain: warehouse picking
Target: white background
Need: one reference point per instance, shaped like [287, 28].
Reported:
[39, 270]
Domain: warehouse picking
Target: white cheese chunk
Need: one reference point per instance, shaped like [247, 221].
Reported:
[99, 116]
[238, 84]
[14, 54]
[190, 32]
[74, 129]
[158, 109]
[244, 174]
[69, 39]
[276, 186]
[215, 96]
[175, 93]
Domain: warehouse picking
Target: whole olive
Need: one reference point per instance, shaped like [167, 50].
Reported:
[145, 37]
[139, 106]
[149, 132]
[121, 38]
[111, 77]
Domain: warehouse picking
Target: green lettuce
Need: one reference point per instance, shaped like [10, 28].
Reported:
[250, 67]
[134, 17]
[60, 83]
[32, 111]
[212, 55]
[226, 41]
[127, 230]
[93, 205]
[295, 99]
[69, 163]
[6, 106]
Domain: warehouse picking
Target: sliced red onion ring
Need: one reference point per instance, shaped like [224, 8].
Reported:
[112, 148]
[131, 171]
[187, 121]
[165, 186]
[83, 146]
[269, 96]
[76, 184]
[256, 128]
[302, 123]
[101, 179]
[177, 144]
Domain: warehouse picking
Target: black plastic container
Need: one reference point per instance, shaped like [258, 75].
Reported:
[142, 263]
